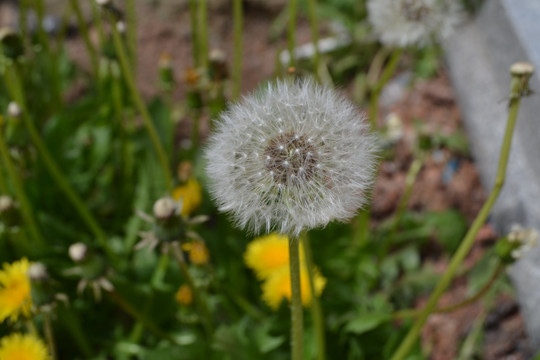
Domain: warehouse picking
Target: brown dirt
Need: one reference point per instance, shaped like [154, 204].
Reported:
[432, 100]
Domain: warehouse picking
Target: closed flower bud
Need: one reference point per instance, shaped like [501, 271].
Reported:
[12, 44]
[78, 252]
[164, 208]
[14, 110]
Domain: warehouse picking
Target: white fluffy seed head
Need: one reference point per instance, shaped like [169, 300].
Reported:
[401, 23]
[290, 157]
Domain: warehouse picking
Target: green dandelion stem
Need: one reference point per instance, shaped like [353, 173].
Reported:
[410, 180]
[23, 16]
[49, 335]
[314, 26]
[238, 47]
[316, 308]
[131, 17]
[297, 321]
[194, 32]
[85, 35]
[3, 185]
[519, 88]
[451, 308]
[13, 83]
[26, 208]
[132, 311]
[203, 32]
[291, 31]
[386, 75]
[197, 296]
[139, 104]
[96, 15]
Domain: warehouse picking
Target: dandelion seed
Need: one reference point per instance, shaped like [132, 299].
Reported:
[403, 23]
[309, 173]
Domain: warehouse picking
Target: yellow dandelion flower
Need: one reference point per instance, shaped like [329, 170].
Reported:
[268, 253]
[15, 297]
[191, 195]
[278, 285]
[22, 347]
[198, 253]
[183, 296]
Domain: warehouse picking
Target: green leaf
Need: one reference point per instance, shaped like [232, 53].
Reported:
[367, 322]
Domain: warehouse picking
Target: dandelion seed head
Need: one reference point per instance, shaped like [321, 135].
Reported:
[402, 23]
[312, 158]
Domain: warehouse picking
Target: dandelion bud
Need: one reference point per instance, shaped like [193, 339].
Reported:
[121, 27]
[43, 295]
[516, 244]
[9, 212]
[12, 43]
[14, 110]
[184, 295]
[292, 157]
[78, 252]
[166, 75]
[218, 65]
[164, 208]
[521, 73]
[38, 272]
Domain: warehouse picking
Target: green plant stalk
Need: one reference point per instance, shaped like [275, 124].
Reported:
[238, 47]
[49, 336]
[85, 35]
[291, 31]
[194, 32]
[131, 310]
[203, 32]
[314, 26]
[451, 308]
[131, 16]
[410, 179]
[13, 83]
[23, 13]
[3, 184]
[155, 281]
[40, 12]
[197, 296]
[139, 104]
[26, 208]
[195, 131]
[316, 309]
[52, 61]
[386, 75]
[96, 15]
[297, 321]
[468, 241]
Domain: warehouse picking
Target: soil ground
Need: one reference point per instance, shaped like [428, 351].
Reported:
[167, 30]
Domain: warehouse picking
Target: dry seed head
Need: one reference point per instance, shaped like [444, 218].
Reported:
[402, 23]
[293, 156]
